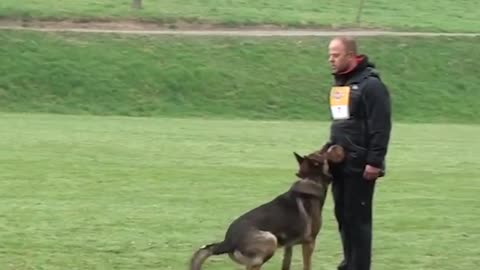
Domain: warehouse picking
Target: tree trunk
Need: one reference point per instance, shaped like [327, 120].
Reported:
[137, 4]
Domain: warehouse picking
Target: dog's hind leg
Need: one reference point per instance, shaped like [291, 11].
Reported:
[256, 250]
[287, 258]
[307, 252]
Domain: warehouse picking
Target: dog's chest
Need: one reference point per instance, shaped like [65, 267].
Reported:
[297, 231]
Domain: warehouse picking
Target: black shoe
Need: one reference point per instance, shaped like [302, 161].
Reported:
[342, 266]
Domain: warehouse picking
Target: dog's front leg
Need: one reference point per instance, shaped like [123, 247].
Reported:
[307, 252]
[287, 258]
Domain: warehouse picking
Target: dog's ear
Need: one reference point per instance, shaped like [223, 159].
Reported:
[298, 157]
[307, 187]
[336, 153]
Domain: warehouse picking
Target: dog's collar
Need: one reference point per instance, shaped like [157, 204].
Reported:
[314, 179]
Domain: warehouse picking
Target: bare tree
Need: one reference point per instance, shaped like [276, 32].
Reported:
[137, 4]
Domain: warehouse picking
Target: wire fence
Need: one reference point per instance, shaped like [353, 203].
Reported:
[138, 4]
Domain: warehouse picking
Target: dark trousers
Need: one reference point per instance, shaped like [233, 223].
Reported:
[353, 198]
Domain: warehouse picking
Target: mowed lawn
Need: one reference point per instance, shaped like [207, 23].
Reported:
[82, 192]
[439, 15]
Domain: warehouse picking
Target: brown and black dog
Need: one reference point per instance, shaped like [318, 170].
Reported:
[292, 218]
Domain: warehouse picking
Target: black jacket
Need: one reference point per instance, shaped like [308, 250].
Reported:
[366, 133]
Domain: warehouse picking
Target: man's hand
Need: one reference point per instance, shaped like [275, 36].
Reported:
[371, 173]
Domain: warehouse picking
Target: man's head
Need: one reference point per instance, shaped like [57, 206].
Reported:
[342, 54]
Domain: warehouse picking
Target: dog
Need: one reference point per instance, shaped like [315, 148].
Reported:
[292, 218]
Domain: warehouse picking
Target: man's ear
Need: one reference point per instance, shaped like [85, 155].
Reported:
[336, 153]
[299, 158]
[306, 187]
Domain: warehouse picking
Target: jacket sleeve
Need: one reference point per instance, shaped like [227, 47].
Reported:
[378, 113]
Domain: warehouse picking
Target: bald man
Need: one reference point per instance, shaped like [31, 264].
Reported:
[361, 122]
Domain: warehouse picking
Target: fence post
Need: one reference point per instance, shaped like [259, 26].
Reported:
[137, 4]
[359, 11]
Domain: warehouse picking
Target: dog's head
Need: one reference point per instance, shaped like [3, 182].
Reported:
[314, 169]
[316, 164]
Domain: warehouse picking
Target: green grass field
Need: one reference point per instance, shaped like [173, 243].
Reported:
[442, 15]
[431, 79]
[87, 192]
[83, 192]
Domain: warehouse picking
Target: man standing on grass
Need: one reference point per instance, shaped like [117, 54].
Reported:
[361, 123]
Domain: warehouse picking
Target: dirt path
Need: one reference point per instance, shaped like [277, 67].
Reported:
[200, 30]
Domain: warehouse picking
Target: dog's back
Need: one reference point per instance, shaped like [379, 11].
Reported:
[278, 216]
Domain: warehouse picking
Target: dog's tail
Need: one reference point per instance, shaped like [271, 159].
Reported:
[206, 251]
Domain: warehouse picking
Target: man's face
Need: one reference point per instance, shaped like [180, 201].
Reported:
[338, 57]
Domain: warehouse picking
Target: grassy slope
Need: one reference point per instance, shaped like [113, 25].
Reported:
[442, 15]
[126, 193]
[431, 79]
